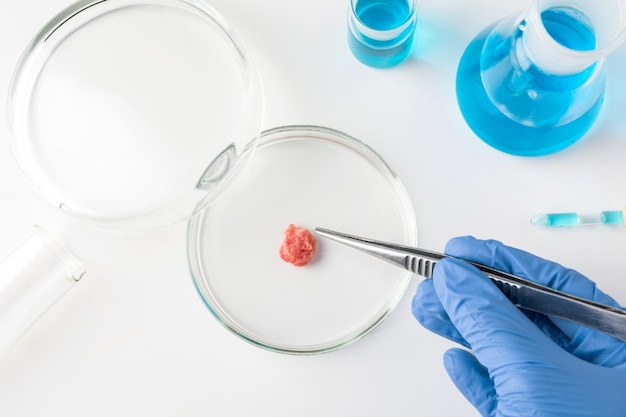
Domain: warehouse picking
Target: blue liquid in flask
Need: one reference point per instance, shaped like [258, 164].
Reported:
[531, 114]
[372, 43]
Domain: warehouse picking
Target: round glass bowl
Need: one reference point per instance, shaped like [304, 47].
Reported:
[309, 176]
[134, 114]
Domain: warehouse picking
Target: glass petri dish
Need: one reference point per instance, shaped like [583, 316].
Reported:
[133, 114]
[309, 176]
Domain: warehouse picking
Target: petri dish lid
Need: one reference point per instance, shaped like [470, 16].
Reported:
[133, 114]
[309, 176]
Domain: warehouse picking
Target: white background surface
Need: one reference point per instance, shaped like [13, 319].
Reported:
[134, 339]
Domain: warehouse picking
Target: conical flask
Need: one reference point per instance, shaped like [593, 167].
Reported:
[533, 83]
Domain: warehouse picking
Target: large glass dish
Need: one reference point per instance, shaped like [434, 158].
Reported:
[310, 176]
[134, 114]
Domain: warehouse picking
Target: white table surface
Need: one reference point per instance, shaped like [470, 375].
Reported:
[134, 339]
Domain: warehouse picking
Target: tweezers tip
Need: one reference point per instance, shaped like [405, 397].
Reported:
[344, 238]
[324, 232]
[333, 235]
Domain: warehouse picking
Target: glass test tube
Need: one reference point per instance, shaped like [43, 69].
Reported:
[32, 278]
[571, 219]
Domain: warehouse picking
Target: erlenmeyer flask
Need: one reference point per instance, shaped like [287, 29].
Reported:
[534, 83]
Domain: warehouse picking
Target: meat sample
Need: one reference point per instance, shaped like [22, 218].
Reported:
[298, 246]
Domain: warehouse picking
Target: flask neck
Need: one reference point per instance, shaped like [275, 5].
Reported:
[595, 29]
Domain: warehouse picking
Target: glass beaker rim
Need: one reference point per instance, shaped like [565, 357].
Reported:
[382, 34]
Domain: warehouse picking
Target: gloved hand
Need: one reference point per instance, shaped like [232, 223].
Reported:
[520, 363]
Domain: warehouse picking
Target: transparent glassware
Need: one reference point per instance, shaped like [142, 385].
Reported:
[134, 129]
[342, 295]
[533, 83]
[32, 279]
[380, 32]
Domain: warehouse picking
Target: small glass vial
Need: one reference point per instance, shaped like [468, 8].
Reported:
[380, 32]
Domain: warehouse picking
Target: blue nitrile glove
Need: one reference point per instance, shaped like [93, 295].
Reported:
[521, 363]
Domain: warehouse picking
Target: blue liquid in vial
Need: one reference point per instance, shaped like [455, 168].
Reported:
[612, 217]
[541, 100]
[381, 15]
[561, 219]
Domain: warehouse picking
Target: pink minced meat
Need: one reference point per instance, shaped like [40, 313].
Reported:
[298, 246]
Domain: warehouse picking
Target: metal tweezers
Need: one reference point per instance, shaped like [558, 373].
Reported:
[521, 292]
